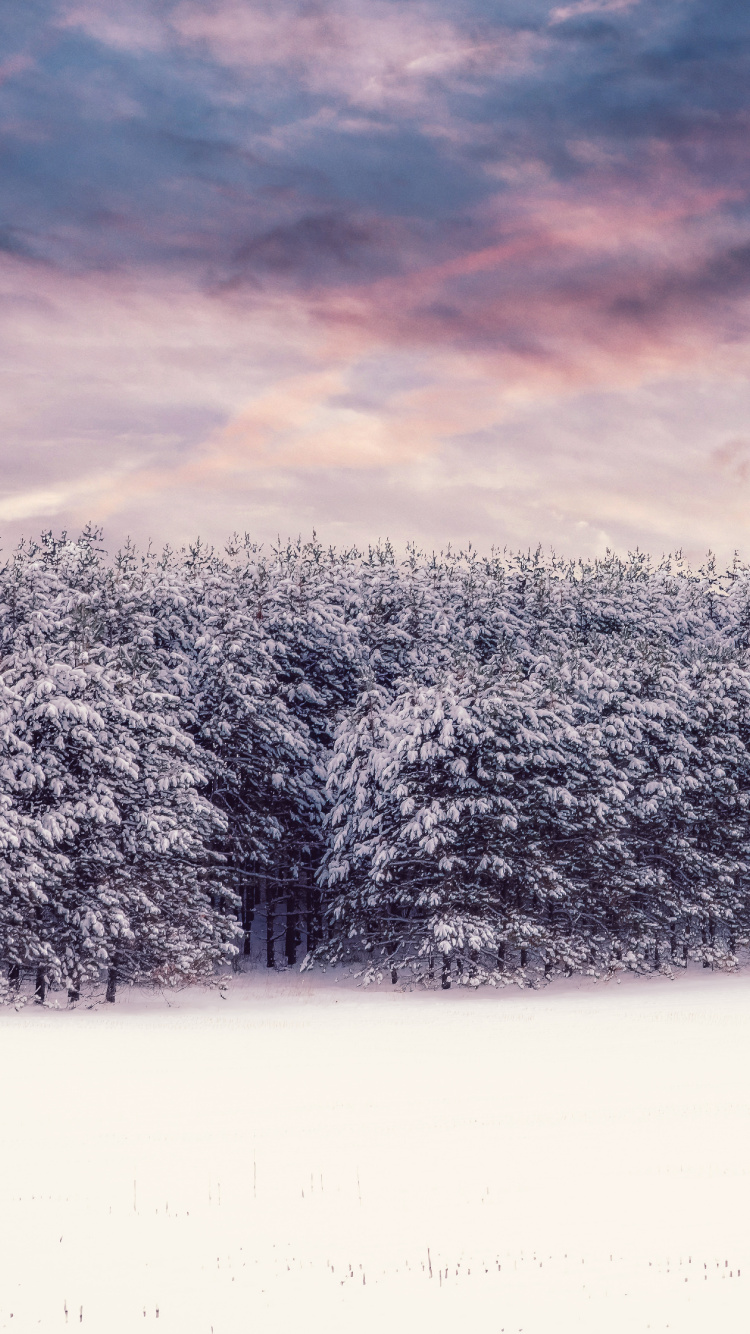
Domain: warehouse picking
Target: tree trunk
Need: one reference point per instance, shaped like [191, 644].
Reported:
[292, 938]
[248, 913]
[40, 986]
[524, 956]
[14, 976]
[311, 918]
[111, 985]
[270, 925]
[445, 976]
[390, 950]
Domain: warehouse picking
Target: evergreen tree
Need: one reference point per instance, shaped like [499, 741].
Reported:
[100, 765]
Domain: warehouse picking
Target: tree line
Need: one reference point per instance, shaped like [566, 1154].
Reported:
[441, 767]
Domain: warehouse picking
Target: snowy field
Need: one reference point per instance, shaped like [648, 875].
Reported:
[300, 1154]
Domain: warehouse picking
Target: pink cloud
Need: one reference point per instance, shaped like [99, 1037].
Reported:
[13, 65]
[581, 7]
[125, 25]
[599, 284]
[473, 448]
[372, 54]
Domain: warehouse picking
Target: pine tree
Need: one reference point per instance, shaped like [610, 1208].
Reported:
[107, 775]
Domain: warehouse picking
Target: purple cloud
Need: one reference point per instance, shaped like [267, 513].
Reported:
[375, 265]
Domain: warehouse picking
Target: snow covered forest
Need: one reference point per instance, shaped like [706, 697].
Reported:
[445, 769]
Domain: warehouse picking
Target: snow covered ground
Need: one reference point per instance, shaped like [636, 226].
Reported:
[304, 1154]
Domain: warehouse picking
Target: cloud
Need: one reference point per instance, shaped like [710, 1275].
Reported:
[315, 245]
[13, 65]
[126, 25]
[53, 501]
[565, 12]
[373, 55]
[377, 259]
[220, 421]
[733, 456]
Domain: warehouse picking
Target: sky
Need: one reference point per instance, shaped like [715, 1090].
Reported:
[448, 271]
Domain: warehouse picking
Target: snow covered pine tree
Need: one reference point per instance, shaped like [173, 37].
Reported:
[98, 768]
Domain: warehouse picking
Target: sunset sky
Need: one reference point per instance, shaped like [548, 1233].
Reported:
[447, 270]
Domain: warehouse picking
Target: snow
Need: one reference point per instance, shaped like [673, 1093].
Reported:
[298, 1152]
